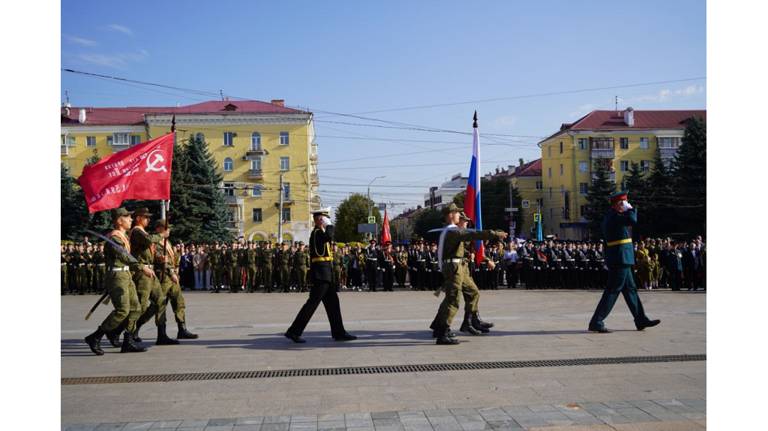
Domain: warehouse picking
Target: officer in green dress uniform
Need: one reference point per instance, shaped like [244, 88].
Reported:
[214, 260]
[455, 269]
[619, 257]
[122, 290]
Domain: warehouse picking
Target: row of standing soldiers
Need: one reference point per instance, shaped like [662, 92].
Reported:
[83, 268]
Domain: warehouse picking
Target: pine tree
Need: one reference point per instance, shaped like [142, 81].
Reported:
[689, 170]
[100, 220]
[658, 213]
[74, 217]
[598, 195]
[635, 185]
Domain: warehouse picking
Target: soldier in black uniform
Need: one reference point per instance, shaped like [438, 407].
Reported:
[387, 264]
[321, 276]
[371, 265]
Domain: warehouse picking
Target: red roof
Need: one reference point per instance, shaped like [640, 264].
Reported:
[530, 169]
[134, 115]
[612, 120]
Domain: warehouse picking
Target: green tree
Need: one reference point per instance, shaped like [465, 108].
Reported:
[657, 214]
[351, 212]
[598, 194]
[74, 217]
[428, 219]
[100, 220]
[635, 185]
[689, 169]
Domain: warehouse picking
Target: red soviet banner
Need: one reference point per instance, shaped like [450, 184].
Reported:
[140, 172]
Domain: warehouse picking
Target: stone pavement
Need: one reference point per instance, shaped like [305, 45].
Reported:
[242, 332]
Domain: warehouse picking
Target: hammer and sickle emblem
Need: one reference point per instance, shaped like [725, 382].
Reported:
[154, 159]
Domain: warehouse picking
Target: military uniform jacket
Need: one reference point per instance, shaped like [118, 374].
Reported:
[321, 256]
[301, 260]
[115, 258]
[142, 245]
[172, 259]
[616, 226]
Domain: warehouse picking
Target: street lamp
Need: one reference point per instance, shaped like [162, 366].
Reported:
[370, 203]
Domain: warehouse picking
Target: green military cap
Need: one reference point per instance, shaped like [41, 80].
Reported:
[452, 208]
[143, 211]
[119, 212]
[160, 223]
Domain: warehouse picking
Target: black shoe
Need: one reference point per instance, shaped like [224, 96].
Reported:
[94, 342]
[467, 327]
[479, 323]
[449, 334]
[129, 344]
[647, 324]
[184, 334]
[295, 338]
[345, 337]
[114, 338]
[601, 329]
[162, 337]
[445, 340]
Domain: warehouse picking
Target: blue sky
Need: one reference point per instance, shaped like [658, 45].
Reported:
[356, 57]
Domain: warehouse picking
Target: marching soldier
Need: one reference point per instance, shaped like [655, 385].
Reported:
[122, 291]
[321, 273]
[620, 258]
[147, 286]
[167, 260]
[455, 270]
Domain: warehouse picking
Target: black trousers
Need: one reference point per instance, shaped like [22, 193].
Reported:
[321, 291]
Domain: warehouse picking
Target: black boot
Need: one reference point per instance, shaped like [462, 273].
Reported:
[162, 338]
[479, 323]
[94, 342]
[443, 338]
[466, 325]
[129, 345]
[183, 333]
[114, 335]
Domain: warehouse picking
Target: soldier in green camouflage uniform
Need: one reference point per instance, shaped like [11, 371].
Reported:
[122, 290]
[454, 269]
[99, 268]
[241, 274]
[64, 274]
[147, 286]
[253, 267]
[301, 266]
[266, 258]
[214, 260]
[284, 264]
[338, 267]
[167, 260]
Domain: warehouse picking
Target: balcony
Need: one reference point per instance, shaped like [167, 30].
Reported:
[254, 154]
[667, 152]
[286, 202]
[65, 150]
[233, 200]
[611, 176]
[236, 226]
[256, 174]
[603, 153]
[314, 180]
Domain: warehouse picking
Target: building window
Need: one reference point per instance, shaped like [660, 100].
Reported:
[624, 143]
[68, 140]
[287, 191]
[540, 202]
[549, 172]
[550, 192]
[583, 166]
[286, 215]
[549, 151]
[256, 165]
[525, 203]
[228, 165]
[285, 163]
[645, 165]
[257, 215]
[256, 191]
[200, 137]
[283, 138]
[135, 139]
[229, 189]
[561, 169]
[643, 143]
[255, 141]
[120, 139]
[583, 210]
[673, 142]
[624, 165]
[583, 142]
[539, 185]
[602, 143]
[229, 139]
[561, 147]
[90, 141]
[583, 188]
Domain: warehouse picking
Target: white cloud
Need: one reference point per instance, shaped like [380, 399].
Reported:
[116, 61]
[81, 41]
[505, 121]
[666, 94]
[121, 28]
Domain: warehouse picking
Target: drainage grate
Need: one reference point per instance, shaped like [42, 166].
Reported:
[384, 369]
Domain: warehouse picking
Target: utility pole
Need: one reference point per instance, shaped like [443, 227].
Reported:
[370, 203]
[280, 214]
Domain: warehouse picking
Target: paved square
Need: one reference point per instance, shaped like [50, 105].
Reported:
[243, 332]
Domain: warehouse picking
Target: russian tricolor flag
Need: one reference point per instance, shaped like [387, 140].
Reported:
[472, 198]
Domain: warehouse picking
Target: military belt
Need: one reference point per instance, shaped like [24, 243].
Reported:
[121, 269]
[322, 259]
[455, 260]
[619, 242]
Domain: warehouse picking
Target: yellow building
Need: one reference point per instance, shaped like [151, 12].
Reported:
[255, 145]
[526, 178]
[615, 139]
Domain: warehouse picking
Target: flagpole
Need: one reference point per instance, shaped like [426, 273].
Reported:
[165, 207]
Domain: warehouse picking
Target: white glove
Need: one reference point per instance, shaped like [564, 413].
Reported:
[626, 205]
[326, 221]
